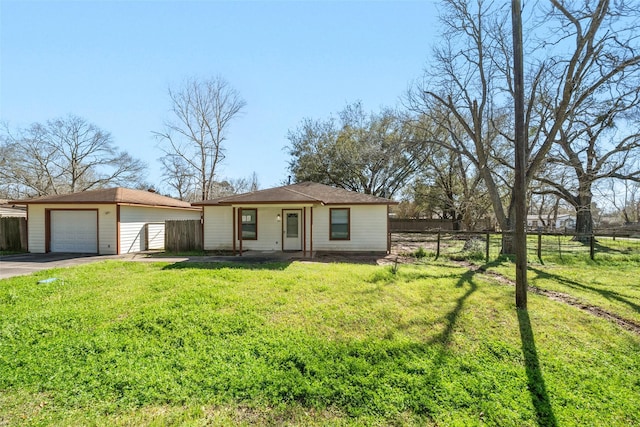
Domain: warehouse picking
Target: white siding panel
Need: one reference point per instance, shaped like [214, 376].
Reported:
[35, 226]
[155, 237]
[368, 229]
[134, 218]
[218, 228]
[107, 220]
[269, 231]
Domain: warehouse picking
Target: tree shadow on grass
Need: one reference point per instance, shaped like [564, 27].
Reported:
[451, 318]
[441, 343]
[611, 248]
[610, 295]
[535, 381]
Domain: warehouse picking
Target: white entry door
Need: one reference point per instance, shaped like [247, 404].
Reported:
[74, 231]
[292, 234]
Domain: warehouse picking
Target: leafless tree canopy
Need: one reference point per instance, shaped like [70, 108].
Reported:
[194, 138]
[581, 81]
[64, 155]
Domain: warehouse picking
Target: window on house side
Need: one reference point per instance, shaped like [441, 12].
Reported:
[249, 224]
[339, 227]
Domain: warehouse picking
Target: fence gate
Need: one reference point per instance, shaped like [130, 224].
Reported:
[13, 234]
[183, 235]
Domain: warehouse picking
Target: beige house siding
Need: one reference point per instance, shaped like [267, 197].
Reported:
[134, 218]
[368, 229]
[218, 228]
[106, 225]
[269, 231]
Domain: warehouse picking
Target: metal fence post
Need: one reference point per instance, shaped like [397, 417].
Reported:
[559, 247]
[438, 246]
[592, 248]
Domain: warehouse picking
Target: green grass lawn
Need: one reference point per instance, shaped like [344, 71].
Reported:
[117, 343]
[612, 284]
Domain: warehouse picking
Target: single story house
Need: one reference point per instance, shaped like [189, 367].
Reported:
[305, 217]
[562, 222]
[107, 221]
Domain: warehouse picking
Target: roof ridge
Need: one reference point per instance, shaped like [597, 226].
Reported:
[287, 187]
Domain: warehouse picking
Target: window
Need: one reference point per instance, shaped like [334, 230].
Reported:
[249, 224]
[339, 227]
[292, 225]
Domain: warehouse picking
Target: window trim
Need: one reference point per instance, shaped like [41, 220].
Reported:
[348, 224]
[242, 223]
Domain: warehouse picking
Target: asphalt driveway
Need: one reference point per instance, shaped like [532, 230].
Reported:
[16, 265]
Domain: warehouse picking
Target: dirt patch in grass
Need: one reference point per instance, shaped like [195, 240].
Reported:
[627, 324]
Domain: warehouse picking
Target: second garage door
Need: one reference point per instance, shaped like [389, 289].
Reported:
[74, 231]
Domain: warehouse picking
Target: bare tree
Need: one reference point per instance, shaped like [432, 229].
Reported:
[202, 113]
[624, 197]
[461, 93]
[598, 134]
[65, 155]
[449, 186]
[228, 187]
[583, 53]
[179, 177]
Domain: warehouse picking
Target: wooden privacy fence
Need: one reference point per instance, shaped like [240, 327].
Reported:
[183, 236]
[13, 234]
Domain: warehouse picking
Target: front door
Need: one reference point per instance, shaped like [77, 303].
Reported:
[292, 235]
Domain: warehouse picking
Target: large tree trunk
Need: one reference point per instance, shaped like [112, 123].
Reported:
[508, 246]
[584, 218]
[508, 232]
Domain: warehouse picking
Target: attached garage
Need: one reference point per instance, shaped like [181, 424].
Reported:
[73, 231]
[109, 221]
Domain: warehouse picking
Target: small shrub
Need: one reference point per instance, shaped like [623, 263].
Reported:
[473, 250]
[420, 253]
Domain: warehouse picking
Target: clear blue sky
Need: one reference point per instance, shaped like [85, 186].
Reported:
[112, 62]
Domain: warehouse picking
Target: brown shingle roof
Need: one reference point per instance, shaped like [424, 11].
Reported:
[111, 195]
[304, 192]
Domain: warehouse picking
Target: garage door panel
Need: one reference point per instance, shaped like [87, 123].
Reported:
[74, 231]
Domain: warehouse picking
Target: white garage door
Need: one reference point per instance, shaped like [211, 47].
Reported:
[74, 231]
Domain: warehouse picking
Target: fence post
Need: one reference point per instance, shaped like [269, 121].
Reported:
[592, 248]
[540, 246]
[487, 249]
[438, 246]
[559, 246]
